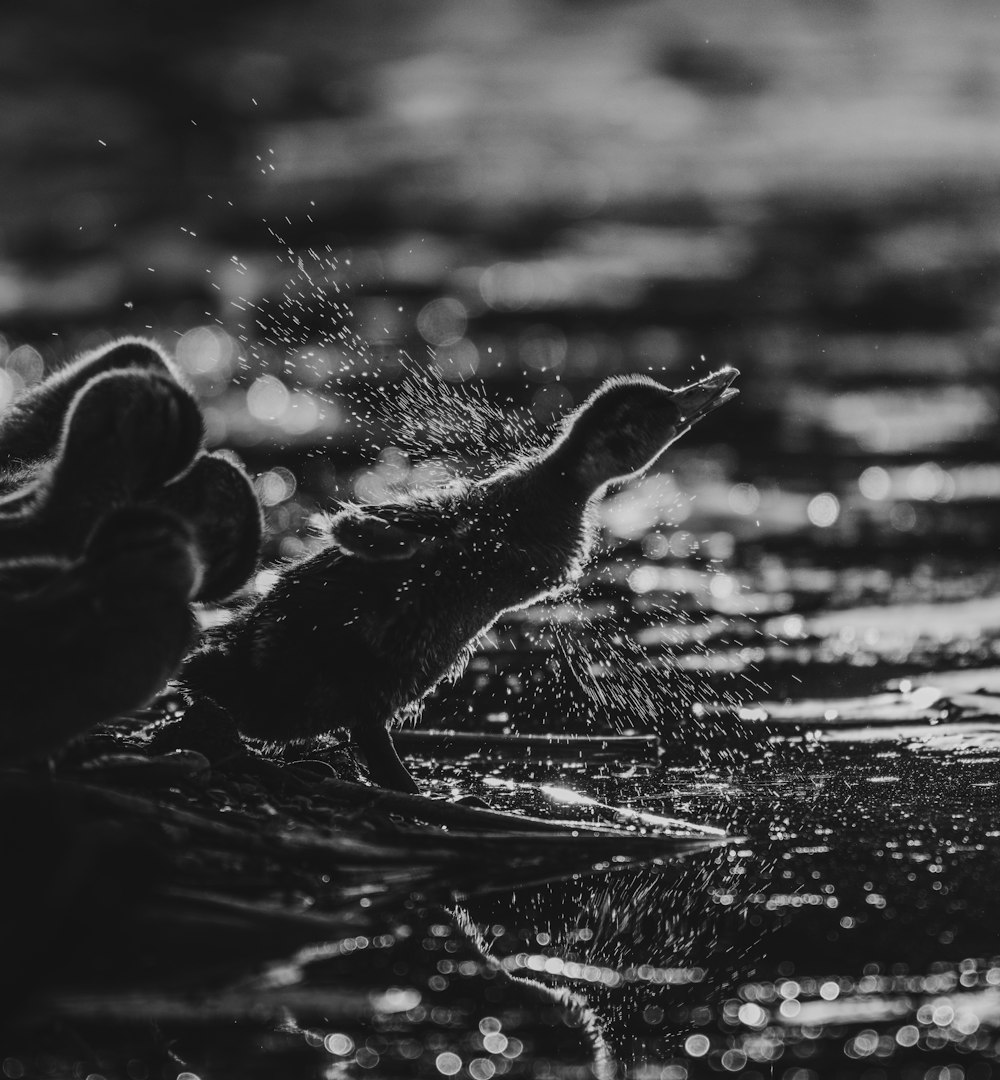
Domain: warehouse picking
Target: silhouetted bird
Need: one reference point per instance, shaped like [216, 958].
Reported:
[369, 625]
[112, 520]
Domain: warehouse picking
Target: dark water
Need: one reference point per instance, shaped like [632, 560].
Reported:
[852, 927]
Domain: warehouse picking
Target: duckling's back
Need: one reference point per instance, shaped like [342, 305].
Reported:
[346, 639]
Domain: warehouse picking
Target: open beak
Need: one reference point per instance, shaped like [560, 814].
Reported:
[696, 401]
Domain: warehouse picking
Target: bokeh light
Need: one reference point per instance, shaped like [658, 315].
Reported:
[268, 399]
[744, 498]
[10, 387]
[823, 510]
[874, 483]
[275, 486]
[25, 364]
[206, 353]
[442, 322]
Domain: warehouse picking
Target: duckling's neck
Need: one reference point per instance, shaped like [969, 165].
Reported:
[582, 471]
[538, 522]
[551, 495]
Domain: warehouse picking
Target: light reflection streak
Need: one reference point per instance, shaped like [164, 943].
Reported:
[567, 795]
[570, 797]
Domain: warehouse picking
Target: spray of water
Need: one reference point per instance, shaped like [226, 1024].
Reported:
[422, 427]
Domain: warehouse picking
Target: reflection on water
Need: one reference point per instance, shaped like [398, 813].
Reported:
[853, 924]
[849, 925]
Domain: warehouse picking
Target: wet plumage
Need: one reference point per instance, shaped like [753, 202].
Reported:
[366, 627]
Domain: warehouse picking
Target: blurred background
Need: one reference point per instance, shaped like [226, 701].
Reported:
[353, 221]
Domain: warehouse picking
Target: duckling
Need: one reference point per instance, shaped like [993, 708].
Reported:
[365, 628]
[113, 520]
[118, 427]
[84, 640]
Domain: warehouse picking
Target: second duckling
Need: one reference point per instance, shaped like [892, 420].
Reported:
[353, 634]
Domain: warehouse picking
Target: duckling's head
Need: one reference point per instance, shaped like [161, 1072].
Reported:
[626, 424]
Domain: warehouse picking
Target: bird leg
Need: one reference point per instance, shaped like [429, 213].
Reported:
[384, 766]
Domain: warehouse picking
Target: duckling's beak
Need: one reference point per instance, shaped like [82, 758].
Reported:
[696, 401]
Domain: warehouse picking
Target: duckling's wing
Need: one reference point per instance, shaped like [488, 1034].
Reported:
[379, 533]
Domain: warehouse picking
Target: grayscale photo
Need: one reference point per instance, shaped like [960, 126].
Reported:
[500, 540]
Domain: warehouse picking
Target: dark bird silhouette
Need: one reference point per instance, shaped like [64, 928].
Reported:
[366, 627]
[114, 428]
[112, 520]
